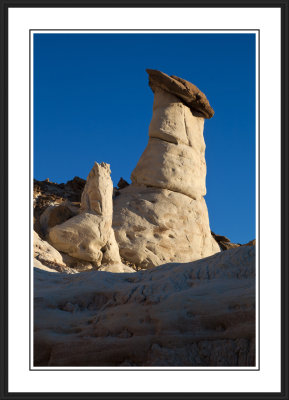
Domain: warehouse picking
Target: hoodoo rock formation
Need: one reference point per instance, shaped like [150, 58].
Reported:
[197, 308]
[162, 216]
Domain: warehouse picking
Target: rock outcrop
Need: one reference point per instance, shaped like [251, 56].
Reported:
[196, 314]
[51, 195]
[55, 215]
[226, 244]
[97, 193]
[162, 216]
[82, 236]
[47, 257]
[89, 236]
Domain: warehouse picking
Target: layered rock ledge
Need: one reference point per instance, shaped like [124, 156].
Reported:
[196, 314]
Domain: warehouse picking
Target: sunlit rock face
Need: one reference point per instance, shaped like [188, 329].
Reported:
[174, 158]
[89, 236]
[162, 217]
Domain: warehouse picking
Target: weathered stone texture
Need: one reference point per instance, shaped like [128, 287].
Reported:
[195, 314]
[162, 216]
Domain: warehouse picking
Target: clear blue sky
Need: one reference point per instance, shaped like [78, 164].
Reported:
[92, 103]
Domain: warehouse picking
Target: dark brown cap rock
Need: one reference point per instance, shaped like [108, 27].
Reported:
[184, 90]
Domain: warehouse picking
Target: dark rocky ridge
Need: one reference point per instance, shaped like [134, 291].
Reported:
[46, 193]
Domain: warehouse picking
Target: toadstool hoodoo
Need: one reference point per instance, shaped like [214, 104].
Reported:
[162, 216]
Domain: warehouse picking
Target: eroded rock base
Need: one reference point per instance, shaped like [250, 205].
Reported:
[154, 226]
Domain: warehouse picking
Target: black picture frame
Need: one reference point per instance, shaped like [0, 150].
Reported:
[284, 8]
